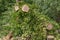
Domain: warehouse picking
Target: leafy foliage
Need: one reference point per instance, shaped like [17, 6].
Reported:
[32, 23]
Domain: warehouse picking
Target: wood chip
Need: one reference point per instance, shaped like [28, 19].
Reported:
[17, 0]
[25, 8]
[58, 31]
[28, 38]
[8, 37]
[49, 26]
[50, 37]
[16, 8]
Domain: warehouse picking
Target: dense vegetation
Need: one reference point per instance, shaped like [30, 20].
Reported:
[34, 22]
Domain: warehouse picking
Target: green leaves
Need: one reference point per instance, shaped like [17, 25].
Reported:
[33, 22]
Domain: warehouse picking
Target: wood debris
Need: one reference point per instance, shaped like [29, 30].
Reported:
[25, 8]
[16, 8]
[50, 37]
[8, 37]
[49, 26]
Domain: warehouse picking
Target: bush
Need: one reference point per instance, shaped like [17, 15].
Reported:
[32, 23]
